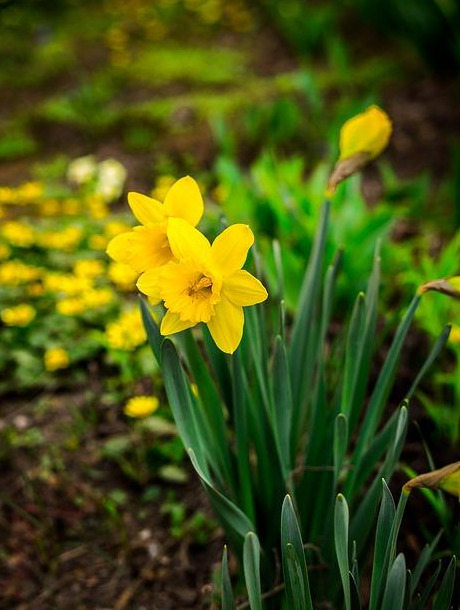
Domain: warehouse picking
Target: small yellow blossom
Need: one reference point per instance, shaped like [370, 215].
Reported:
[454, 336]
[66, 240]
[147, 246]
[20, 315]
[116, 227]
[141, 406]
[98, 297]
[50, 207]
[14, 273]
[88, 268]
[56, 358]
[122, 276]
[97, 207]
[127, 332]
[70, 307]
[67, 283]
[205, 283]
[18, 234]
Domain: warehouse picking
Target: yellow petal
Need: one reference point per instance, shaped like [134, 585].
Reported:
[242, 288]
[230, 248]
[226, 326]
[149, 283]
[186, 242]
[142, 248]
[146, 209]
[172, 323]
[184, 200]
[368, 132]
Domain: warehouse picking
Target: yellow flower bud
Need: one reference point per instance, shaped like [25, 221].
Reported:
[447, 478]
[141, 406]
[362, 138]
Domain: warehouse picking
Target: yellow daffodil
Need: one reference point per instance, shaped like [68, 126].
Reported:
[205, 283]
[362, 138]
[147, 246]
[56, 358]
[141, 406]
[20, 315]
[449, 286]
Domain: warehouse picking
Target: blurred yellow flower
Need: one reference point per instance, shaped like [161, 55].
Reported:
[141, 406]
[147, 246]
[116, 227]
[14, 273]
[71, 207]
[20, 315]
[56, 358]
[18, 234]
[127, 332]
[205, 283]
[88, 268]
[122, 276]
[97, 207]
[50, 207]
[70, 307]
[98, 297]
[67, 283]
[368, 132]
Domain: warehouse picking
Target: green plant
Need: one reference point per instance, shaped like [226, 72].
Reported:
[392, 587]
[280, 416]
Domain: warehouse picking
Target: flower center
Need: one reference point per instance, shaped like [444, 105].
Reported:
[200, 288]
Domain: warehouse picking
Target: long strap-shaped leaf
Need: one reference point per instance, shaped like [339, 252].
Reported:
[382, 537]
[303, 324]
[444, 596]
[395, 589]
[233, 519]
[228, 601]
[341, 520]
[153, 333]
[251, 565]
[294, 564]
[385, 381]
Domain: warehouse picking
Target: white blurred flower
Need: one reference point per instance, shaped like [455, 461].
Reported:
[111, 179]
[82, 170]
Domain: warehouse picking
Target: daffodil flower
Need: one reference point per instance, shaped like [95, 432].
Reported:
[147, 246]
[206, 283]
[446, 478]
[362, 138]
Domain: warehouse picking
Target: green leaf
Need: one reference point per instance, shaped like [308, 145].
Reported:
[355, 341]
[230, 515]
[423, 561]
[355, 598]
[382, 538]
[153, 332]
[438, 346]
[385, 380]
[294, 564]
[300, 338]
[444, 596]
[228, 602]
[341, 519]
[251, 565]
[395, 588]
[184, 411]
[282, 404]
[430, 585]
[340, 443]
